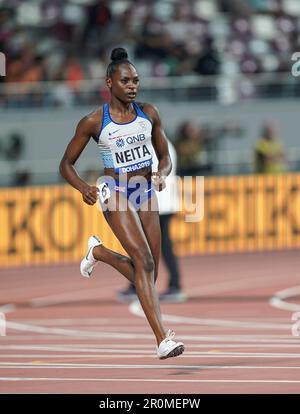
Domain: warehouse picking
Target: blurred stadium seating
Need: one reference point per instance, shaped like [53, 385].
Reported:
[70, 42]
[221, 52]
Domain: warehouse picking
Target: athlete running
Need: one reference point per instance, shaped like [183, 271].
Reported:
[127, 132]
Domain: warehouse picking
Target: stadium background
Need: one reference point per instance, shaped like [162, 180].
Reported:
[223, 66]
[220, 71]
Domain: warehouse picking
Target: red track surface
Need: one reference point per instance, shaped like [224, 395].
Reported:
[66, 334]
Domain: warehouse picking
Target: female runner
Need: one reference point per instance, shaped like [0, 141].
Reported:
[126, 133]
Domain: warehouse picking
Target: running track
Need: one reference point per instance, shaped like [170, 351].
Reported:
[66, 334]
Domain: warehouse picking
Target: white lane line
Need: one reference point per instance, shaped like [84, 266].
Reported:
[135, 347]
[29, 365]
[151, 354]
[210, 352]
[125, 322]
[279, 299]
[101, 353]
[73, 332]
[136, 309]
[90, 334]
[207, 330]
[10, 307]
[184, 329]
[210, 337]
[265, 381]
[205, 340]
[145, 329]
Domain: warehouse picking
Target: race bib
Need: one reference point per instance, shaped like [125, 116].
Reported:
[128, 157]
[104, 192]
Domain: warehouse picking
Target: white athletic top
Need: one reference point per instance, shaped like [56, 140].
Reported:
[126, 147]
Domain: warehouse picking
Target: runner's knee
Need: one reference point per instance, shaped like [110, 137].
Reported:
[144, 260]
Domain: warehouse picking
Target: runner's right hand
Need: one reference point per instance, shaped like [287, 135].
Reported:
[90, 194]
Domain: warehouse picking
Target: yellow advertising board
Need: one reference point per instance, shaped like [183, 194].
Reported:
[51, 224]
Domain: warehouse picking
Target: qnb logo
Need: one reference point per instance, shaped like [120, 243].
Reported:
[2, 324]
[296, 325]
[296, 65]
[2, 64]
[136, 138]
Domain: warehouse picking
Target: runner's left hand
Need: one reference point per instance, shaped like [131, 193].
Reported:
[158, 180]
